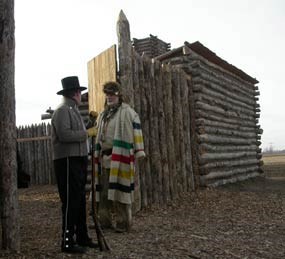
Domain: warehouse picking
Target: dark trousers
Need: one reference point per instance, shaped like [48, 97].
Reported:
[71, 175]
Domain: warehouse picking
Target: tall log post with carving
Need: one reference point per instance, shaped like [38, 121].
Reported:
[8, 134]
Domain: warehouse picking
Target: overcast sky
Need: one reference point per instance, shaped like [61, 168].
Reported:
[56, 38]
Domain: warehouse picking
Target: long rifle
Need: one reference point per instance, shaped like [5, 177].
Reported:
[102, 242]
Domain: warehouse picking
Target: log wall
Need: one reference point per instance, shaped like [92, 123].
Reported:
[227, 135]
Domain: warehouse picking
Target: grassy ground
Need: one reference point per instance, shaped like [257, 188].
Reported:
[274, 165]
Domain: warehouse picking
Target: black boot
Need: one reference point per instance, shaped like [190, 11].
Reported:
[73, 249]
[69, 246]
[87, 242]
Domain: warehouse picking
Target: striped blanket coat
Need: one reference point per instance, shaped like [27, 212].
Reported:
[127, 146]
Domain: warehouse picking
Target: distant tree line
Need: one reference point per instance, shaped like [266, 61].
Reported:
[271, 150]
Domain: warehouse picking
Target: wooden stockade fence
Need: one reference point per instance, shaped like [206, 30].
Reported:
[160, 94]
[34, 149]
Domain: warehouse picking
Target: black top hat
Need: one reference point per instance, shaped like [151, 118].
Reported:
[70, 83]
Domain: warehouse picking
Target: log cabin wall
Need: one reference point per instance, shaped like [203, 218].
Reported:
[226, 135]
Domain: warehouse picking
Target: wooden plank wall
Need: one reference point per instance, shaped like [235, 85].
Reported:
[101, 69]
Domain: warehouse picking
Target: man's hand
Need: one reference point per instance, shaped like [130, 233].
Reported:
[92, 132]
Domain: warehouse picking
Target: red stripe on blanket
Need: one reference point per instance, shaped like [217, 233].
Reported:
[123, 159]
[96, 160]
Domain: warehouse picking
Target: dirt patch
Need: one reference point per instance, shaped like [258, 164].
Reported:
[242, 220]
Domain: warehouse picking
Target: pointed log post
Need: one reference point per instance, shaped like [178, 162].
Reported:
[125, 58]
[8, 163]
[126, 74]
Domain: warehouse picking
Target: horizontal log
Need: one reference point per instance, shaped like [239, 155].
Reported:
[221, 99]
[225, 132]
[216, 102]
[165, 56]
[219, 102]
[220, 111]
[180, 62]
[206, 138]
[219, 79]
[231, 179]
[205, 169]
[209, 157]
[149, 47]
[217, 174]
[230, 77]
[216, 85]
[152, 40]
[33, 139]
[218, 124]
[204, 148]
[150, 44]
[202, 114]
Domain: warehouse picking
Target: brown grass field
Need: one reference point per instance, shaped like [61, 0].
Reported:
[274, 165]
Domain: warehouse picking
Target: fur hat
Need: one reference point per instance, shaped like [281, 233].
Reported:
[70, 83]
[112, 88]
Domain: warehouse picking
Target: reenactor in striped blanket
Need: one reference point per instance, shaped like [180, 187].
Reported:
[119, 143]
